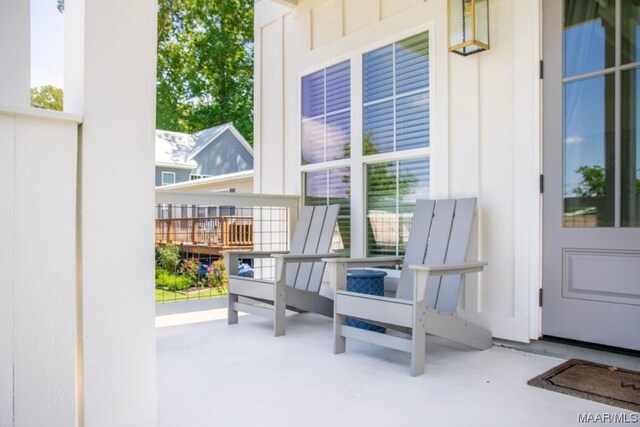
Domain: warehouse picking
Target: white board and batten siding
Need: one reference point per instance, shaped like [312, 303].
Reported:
[484, 127]
[38, 152]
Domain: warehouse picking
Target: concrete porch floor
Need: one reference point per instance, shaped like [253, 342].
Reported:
[213, 374]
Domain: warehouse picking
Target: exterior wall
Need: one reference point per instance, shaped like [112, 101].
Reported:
[223, 156]
[240, 185]
[38, 310]
[484, 133]
[181, 174]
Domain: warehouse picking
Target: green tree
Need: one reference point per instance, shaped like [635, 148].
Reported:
[593, 181]
[205, 65]
[48, 97]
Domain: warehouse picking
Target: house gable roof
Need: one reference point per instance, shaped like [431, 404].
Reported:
[207, 136]
[173, 149]
[179, 149]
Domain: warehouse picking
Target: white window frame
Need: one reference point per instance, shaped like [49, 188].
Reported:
[358, 161]
[195, 176]
[173, 174]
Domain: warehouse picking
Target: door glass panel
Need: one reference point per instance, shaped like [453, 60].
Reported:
[589, 36]
[630, 159]
[589, 152]
[630, 31]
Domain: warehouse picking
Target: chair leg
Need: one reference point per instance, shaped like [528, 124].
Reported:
[232, 314]
[339, 342]
[418, 343]
[279, 300]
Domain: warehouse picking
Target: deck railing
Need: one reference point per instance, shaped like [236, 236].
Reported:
[204, 224]
[224, 232]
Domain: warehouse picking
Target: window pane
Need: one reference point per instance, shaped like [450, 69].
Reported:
[630, 148]
[413, 181]
[326, 116]
[382, 218]
[413, 184]
[412, 122]
[630, 31]
[589, 156]
[339, 193]
[589, 35]
[392, 191]
[313, 94]
[332, 187]
[313, 141]
[315, 188]
[168, 178]
[338, 87]
[338, 135]
[412, 64]
[378, 128]
[378, 74]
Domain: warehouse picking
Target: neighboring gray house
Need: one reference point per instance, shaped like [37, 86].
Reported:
[217, 151]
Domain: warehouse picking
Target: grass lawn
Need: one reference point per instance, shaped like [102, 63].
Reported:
[169, 296]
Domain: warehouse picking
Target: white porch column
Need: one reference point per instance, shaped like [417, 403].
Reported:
[110, 79]
[15, 48]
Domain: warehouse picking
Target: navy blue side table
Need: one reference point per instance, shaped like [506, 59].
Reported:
[365, 282]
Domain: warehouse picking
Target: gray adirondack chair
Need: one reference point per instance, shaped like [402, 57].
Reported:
[427, 295]
[298, 272]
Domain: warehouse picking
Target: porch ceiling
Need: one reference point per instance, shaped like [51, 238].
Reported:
[210, 373]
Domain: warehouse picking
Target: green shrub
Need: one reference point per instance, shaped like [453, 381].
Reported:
[191, 268]
[217, 276]
[173, 282]
[168, 256]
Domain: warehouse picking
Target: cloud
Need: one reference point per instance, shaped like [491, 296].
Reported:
[574, 139]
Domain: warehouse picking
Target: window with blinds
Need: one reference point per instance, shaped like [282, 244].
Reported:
[396, 119]
[390, 158]
[396, 96]
[326, 114]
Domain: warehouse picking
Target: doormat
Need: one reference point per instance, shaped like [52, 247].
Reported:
[593, 381]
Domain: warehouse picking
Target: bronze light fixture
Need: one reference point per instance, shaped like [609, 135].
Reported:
[468, 26]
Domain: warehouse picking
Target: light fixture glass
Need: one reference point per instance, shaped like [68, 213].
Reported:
[468, 26]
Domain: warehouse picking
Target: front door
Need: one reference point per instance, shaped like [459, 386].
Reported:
[591, 113]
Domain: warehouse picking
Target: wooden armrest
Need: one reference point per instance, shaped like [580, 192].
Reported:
[305, 257]
[452, 268]
[253, 254]
[366, 262]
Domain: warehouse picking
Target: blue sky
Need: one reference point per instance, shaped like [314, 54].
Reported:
[47, 43]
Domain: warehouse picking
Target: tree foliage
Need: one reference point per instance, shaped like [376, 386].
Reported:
[593, 181]
[48, 97]
[205, 65]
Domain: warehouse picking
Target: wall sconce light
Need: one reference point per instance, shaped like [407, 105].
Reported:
[468, 26]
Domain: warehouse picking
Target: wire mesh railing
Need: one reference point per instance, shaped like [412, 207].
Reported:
[194, 229]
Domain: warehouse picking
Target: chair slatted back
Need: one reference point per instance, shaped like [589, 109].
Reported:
[313, 235]
[440, 232]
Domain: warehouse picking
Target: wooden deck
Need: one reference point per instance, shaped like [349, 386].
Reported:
[206, 235]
